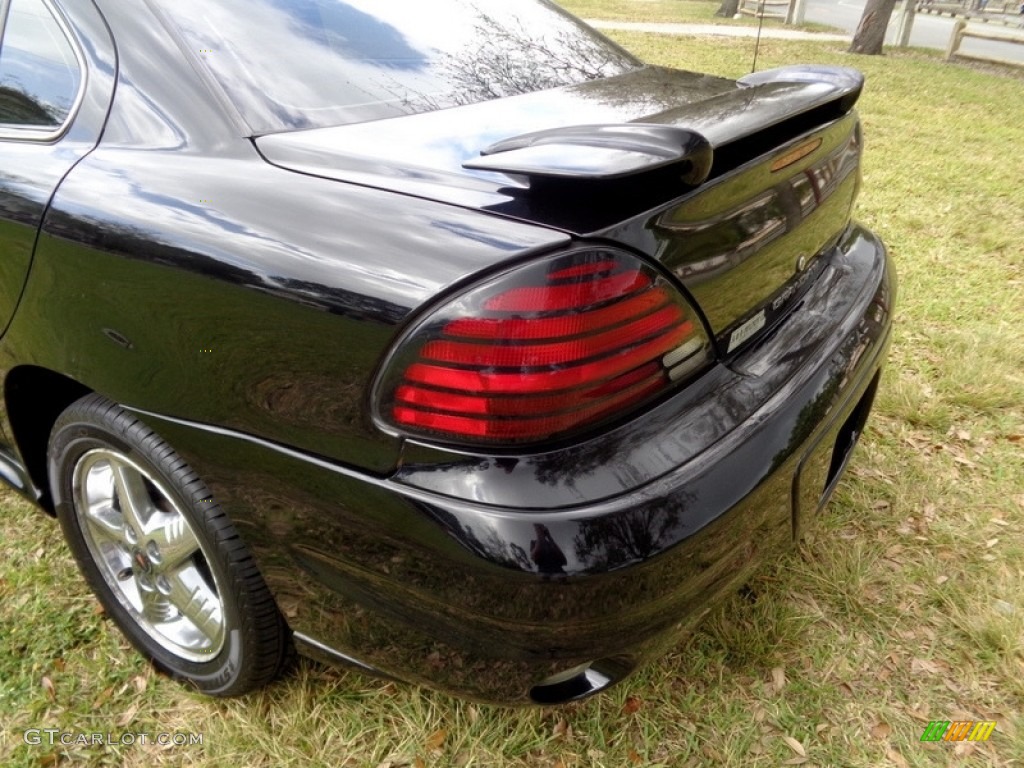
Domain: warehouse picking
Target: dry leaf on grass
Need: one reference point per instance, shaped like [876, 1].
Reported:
[437, 739]
[881, 730]
[632, 706]
[924, 666]
[964, 748]
[918, 714]
[127, 716]
[778, 679]
[140, 682]
[896, 758]
[795, 745]
[48, 686]
[397, 762]
[103, 697]
[712, 754]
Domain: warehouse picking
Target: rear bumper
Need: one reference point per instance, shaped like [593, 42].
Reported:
[444, 573]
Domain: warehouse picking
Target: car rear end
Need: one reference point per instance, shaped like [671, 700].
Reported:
[596, 441]
[714, 373]
[602, 440]
[547, 573]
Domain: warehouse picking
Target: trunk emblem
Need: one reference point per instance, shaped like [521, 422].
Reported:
[795, 155]
[748, 329]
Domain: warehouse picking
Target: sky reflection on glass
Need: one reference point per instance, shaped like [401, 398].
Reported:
[290, 64]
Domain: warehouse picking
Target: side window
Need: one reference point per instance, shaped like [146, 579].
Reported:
[40, 74]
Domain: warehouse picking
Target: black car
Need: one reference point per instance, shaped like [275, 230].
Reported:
[444, 338]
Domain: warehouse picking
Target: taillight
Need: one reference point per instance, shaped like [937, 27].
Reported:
[544, 350]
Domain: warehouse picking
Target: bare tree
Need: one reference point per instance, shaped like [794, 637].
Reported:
[870, 32]
[728, 9]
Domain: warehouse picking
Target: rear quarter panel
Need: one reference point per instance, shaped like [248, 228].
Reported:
[231, 293]
[179, 273]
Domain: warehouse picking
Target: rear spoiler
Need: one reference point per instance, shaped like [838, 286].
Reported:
[766, 109]
[843, 84]
[600, 152]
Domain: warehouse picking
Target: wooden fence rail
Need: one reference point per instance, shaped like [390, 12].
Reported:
[961, 30]
[768, 9]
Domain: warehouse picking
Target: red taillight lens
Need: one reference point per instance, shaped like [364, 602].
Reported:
[542, 351]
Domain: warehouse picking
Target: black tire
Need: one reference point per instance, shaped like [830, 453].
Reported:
[159, 553]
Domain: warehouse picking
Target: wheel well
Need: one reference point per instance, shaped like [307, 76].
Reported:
[34, 398]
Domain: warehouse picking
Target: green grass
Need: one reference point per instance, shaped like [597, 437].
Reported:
[671, 11]
[903, 606]
[684, 11]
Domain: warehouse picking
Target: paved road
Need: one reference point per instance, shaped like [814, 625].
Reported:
[928, 31]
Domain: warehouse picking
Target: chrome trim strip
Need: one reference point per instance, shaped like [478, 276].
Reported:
[328, 650]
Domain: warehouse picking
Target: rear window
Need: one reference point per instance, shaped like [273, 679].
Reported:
[289, 64]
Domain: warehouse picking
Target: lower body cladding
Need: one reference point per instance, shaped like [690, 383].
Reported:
[435, 575]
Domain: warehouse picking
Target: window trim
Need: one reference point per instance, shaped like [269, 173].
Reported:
[13, 132]
[4, 5]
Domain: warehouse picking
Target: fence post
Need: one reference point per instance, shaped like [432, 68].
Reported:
[955, 38]
[797, 10]
[906, 23]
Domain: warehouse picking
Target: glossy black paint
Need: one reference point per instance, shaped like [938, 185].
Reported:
[425, 154]
[176, 219]
[428, 575]
[31, 170]
[599, 153]
[681, 429]
[734, 242]
[239, 293]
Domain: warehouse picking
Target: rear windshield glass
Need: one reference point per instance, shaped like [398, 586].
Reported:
[289, 64]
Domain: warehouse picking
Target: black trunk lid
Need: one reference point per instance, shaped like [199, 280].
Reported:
[763, 182]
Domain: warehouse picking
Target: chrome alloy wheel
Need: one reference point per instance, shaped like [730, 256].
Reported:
[149, 554]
